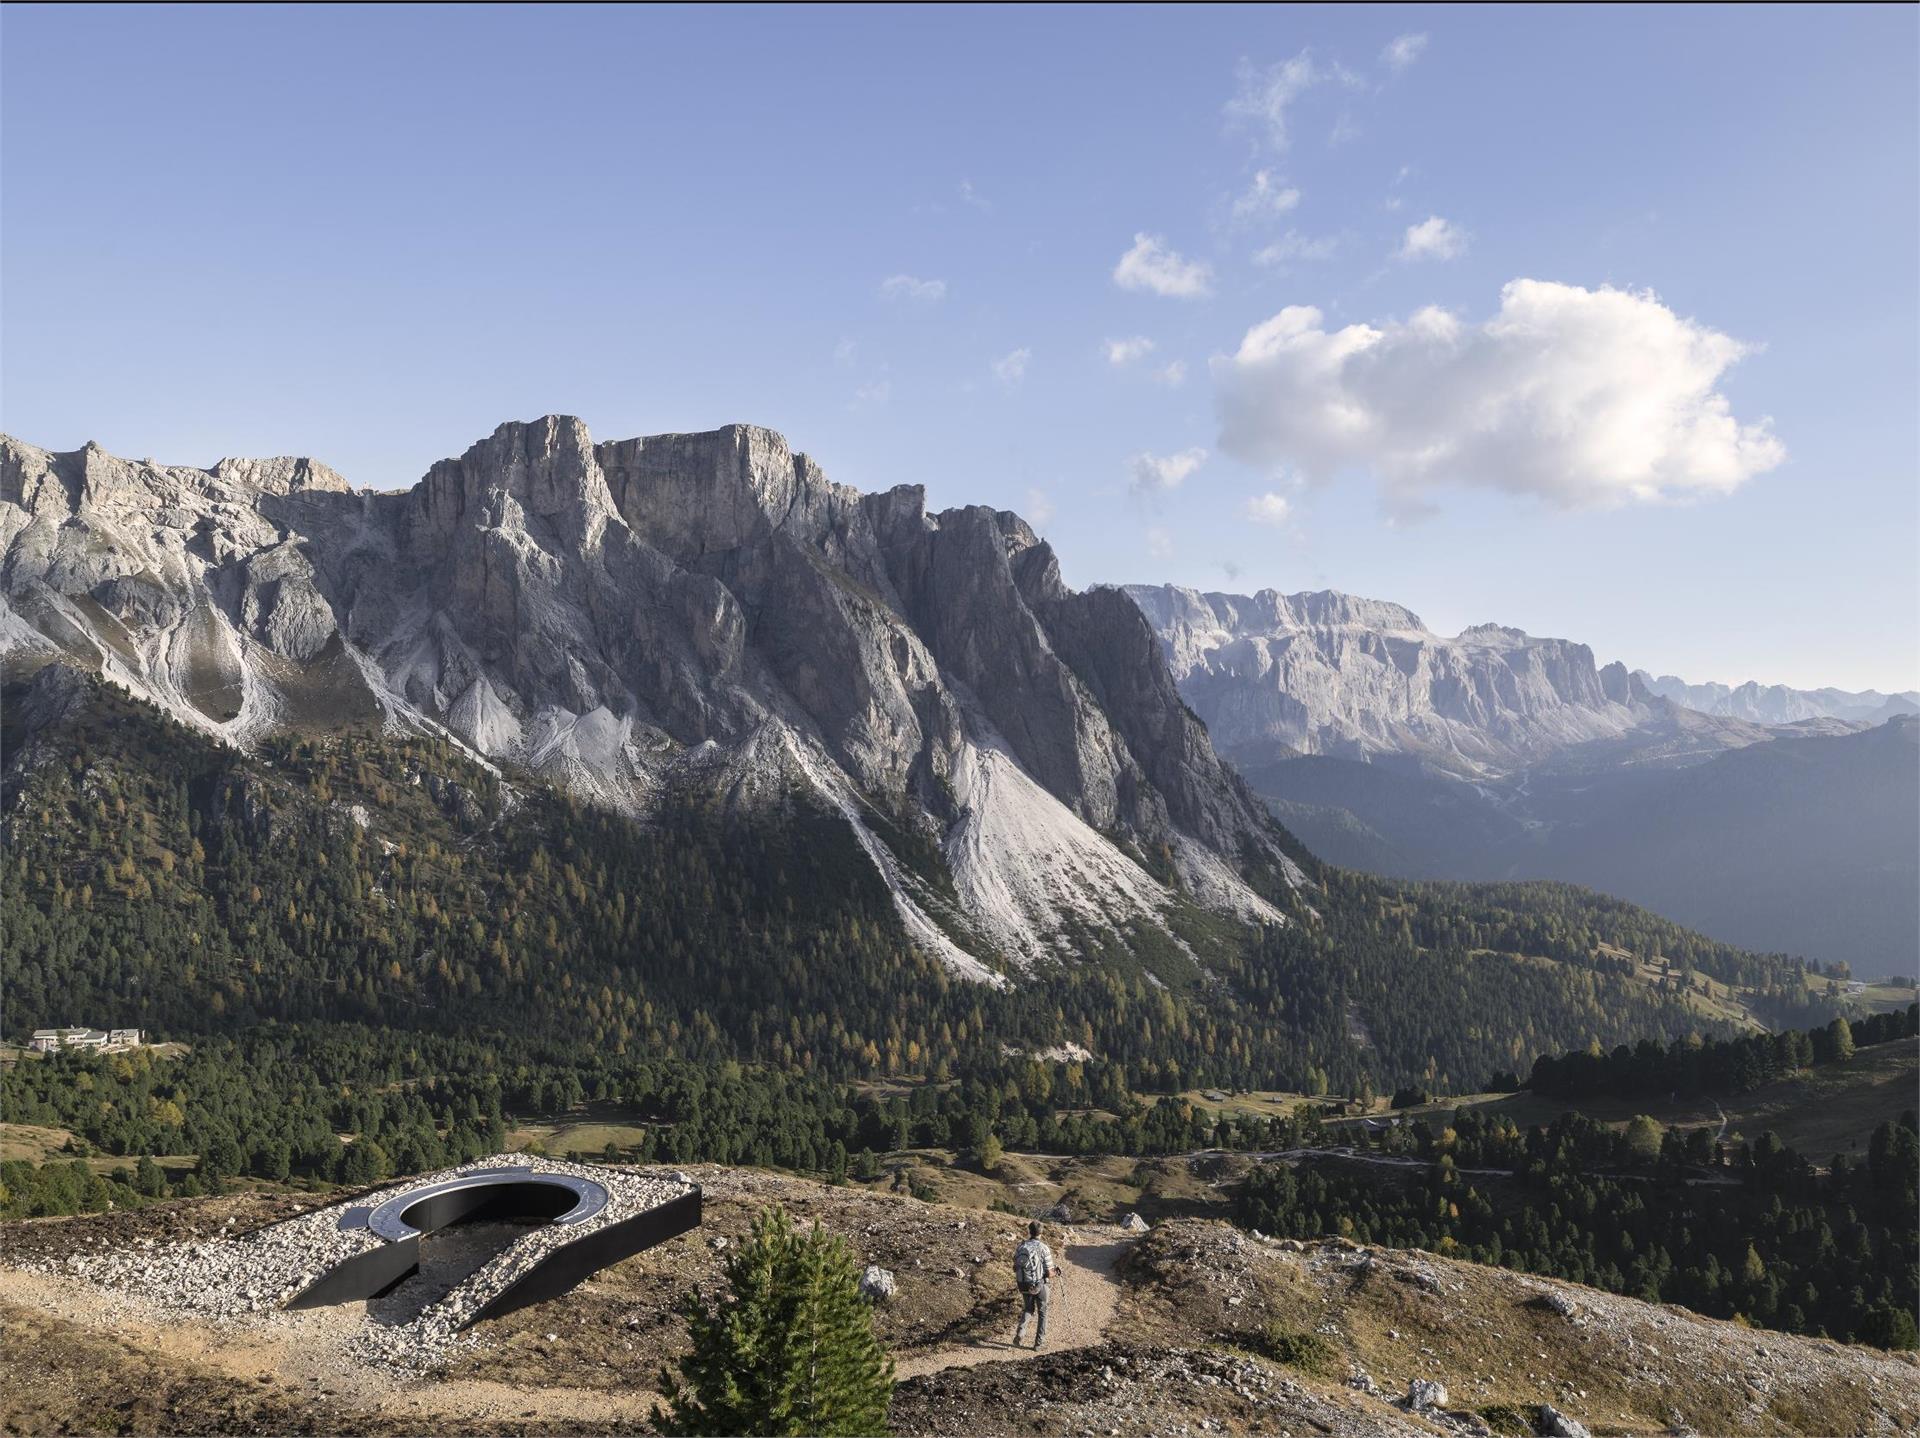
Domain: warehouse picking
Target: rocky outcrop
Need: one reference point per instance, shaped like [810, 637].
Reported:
[632, 619]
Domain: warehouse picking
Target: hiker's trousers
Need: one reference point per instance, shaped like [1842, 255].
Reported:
[1032, 1304]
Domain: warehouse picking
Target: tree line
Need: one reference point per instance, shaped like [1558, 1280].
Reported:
[1747, 1232]
[1727, 1066]
[153, 877]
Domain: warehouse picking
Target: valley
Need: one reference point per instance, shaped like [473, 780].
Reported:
[1770, 818]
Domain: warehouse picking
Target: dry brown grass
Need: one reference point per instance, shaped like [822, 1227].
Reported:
[1617, 1365]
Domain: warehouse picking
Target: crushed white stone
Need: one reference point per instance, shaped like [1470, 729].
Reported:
[249, 1278]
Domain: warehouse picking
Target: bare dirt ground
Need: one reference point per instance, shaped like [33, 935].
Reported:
[1081, 1306]
[1166, 1334]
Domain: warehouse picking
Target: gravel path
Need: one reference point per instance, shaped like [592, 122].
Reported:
[1084, 1298]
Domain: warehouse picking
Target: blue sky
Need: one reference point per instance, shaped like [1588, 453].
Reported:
[902, 237]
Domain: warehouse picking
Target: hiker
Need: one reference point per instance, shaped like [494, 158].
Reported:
[1033, 1272]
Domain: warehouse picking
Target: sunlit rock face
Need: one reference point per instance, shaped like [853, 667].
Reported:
[640, 617]
[1329, 673]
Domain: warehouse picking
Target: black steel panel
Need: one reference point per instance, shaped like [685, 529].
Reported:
[365, 1275]
[569, 1264]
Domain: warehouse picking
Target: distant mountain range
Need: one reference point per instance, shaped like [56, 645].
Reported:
[1778, 704]
[1772, 817]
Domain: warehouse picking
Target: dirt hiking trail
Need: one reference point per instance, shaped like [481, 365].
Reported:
[1082, 1305]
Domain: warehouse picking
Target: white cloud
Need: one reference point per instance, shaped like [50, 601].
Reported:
[872, 394]
[1039, 508]
[1581, 398]
[971, 196]
[1402, 51]
[1269, 508]
[1265, 197]
[907, 287]
[1159, 542]
[844, 352]
[1125, 352]
[1173, 374]
[1265, 93]
[1150, 265]
[1010, 369]
[1158, 473]
[1294, 246]
[1433, 239]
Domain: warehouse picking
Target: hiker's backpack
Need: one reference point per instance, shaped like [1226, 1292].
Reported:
[1029, 1267]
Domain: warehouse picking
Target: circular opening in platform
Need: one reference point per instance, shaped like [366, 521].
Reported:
[516, 1194]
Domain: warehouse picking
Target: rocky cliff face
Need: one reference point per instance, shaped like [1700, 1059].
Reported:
[630, 619]
[1331, 674]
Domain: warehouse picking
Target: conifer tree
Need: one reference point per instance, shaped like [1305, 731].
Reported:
[791, 1350]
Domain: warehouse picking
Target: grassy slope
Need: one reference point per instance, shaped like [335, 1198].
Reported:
[1821, 1111]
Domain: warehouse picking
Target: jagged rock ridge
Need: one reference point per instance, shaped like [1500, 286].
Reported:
[1332, 674]
[1780, 703]
[635, 617]
[1496, 755]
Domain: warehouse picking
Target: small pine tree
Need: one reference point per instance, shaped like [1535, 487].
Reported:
[790, 1351]
[148, 1179]
[1840, 1034]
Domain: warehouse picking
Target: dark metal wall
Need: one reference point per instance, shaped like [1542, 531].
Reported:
[567, 1265]
[365, 1275]
[534, 1201]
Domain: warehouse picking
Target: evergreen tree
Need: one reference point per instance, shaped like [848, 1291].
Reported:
[148, 1178]
[790, 1351]
[1643, 1137]
[1840, 1035]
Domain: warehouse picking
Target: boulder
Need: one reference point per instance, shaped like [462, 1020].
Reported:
[1134, 1223]
[1556, 1424]
[877, 1284]
[1425, 1393]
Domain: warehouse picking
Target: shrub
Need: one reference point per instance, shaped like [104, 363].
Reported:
[1309, 1352]
[791, 1350]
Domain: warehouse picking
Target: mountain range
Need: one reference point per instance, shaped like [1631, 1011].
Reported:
[685, 614]
[1772, 817]
[1780, 704]
[673, 742]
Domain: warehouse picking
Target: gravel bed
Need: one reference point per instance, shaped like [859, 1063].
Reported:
[250, 1278]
